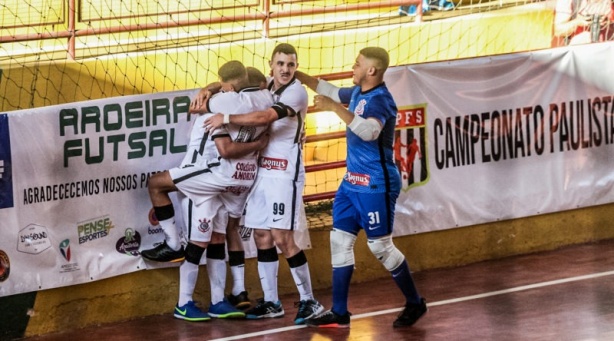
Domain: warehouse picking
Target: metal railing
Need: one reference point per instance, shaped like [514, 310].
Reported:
[323, 166]
[74, 17]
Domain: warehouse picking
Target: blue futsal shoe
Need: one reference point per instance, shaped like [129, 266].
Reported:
[190, 312]
[225, 310]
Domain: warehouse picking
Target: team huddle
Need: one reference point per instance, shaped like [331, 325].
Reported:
[244, 161]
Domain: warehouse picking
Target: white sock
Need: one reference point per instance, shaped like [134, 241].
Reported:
[238, 279]
[303, 281]
[173, 240]
[216, 268]
[268, 280]
[188, 274]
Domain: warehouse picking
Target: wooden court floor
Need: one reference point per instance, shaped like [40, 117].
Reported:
[566, 294]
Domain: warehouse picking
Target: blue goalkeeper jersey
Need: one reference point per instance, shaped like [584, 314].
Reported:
[370, 164]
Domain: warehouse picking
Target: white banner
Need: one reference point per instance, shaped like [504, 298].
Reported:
[494, 138]
[479, 140]
[74, 205]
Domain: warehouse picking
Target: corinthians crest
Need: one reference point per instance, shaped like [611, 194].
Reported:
[410, 147]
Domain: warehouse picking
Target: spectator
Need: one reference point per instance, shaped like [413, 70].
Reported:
[573, 20]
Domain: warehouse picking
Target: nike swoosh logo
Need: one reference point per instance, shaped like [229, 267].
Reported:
[278, 219]
[373, 227]
[182, 312]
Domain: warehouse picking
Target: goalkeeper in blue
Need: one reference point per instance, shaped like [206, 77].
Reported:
[366, 197]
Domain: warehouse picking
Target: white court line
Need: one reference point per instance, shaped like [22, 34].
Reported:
[450, 301]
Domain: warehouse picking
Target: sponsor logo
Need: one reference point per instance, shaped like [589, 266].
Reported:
[151, 230]
[182, 312]
[276, 219]
[33, 239]
[410, 146]
[360, 107]
[5, 266]
[271, 163]
[93, 229]
[130, 243]
[357, 179]
[236, 190]
[245, 171]
[65, 249]
[205, 225]
[245, 233]
[6, 178]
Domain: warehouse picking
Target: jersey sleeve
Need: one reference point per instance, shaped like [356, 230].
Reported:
[295, 98]
[345, 94]
[224, 102]
[377, 108]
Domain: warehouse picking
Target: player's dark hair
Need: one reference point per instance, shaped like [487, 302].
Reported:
[255, 76]
[284, 48]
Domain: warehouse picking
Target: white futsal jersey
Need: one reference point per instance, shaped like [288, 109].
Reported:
[203, 174]
[277, 194]
[242, 102]
[201, 148]
[282, 157]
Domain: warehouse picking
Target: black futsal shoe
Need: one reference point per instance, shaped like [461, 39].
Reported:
[410, 314]
[240, 301]
[330, 319]
[164, 253]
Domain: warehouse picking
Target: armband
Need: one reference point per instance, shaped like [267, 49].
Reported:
[366, 129]
[281, 110]
[226, 119]
[327, 89]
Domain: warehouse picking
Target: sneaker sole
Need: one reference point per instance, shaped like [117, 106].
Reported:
[243, 305]
[192, 319]
[270, 315]
[233, 315]
[176, 260]
[331, 325]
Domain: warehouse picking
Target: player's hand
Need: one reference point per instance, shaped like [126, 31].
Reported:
[324, 103]
[604, 21]
[213, 122]
[198, 103]
[263, 139]
[582, 21]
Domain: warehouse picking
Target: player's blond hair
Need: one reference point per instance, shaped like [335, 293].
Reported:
[378, 55]
[232, 70]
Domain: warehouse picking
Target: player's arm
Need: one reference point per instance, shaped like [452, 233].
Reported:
[255, 118]
[367, 129]
[233, 150]
[320, 86]
[198, 105]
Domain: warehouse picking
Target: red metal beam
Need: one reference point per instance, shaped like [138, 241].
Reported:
[71, 33]
[319, 196]
[326, 136]
[351, 7]
[325, 166]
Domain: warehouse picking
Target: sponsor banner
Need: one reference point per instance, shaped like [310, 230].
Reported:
[487, 139]
[74, 204]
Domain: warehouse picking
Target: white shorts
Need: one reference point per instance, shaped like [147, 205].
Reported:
[201, 183]
[202, 220]
[274, 203]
